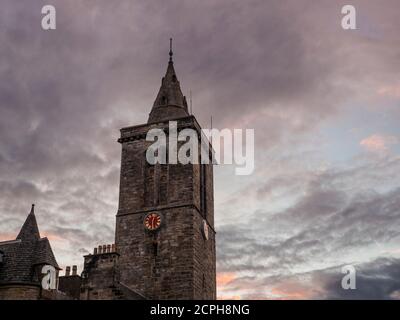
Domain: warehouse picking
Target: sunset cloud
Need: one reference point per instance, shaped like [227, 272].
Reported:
[391, 91]
[378, 143]
[224, 278]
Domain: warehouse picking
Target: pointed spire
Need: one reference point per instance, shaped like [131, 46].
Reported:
[29, 230]
[170, 50]
[170, 103]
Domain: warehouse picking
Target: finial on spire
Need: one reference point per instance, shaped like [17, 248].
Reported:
[33, 208]
[170, 50]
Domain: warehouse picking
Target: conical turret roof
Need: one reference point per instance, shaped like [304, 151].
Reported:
[170, 103]
[30, 229]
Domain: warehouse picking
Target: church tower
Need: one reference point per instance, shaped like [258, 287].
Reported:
[165, 222]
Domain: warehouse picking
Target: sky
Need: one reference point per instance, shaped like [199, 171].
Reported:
[324, 103]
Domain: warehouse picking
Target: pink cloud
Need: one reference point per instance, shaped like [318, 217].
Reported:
[232, 287]
[391, 91]
[378, 143]
[224, 278]
[292, 290]
[7, 236]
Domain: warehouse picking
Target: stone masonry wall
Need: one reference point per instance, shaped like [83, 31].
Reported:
[99, 276]
[19, 292]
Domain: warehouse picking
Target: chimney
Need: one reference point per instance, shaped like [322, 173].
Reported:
[113, 247]
[95, 251]
[108, 248]
[99, 251]
[104, 248]
[74, 270]
[67, 271]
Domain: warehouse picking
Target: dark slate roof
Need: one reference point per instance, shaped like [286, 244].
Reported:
[44, 253]
[23, 254]
[17, 259]
[170, 103]
[30, 230]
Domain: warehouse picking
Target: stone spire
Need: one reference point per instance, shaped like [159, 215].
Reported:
[170, 103]
[30, 230]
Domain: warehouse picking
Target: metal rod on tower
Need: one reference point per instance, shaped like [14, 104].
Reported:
[170, 50]
[190, 101]
[211, 131]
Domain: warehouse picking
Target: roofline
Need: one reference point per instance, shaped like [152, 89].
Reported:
[162, 121]
[10, 242]
[46, 264]
[19, 283]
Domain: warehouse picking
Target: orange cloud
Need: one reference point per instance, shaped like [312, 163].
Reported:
[293, 289]
[52, 237]
[228, 297]
[288, 294]
[225, 278]
[7, 237]
[391, 91]
[378, 143]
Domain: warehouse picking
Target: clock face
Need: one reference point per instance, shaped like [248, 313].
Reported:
[152, 221]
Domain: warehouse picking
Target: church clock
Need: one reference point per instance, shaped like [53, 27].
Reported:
[152, 221]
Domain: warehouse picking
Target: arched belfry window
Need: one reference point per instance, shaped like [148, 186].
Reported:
[155, 180]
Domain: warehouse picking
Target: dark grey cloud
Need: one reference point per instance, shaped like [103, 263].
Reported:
[379, 279]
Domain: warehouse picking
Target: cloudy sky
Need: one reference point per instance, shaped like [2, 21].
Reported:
[324, 103]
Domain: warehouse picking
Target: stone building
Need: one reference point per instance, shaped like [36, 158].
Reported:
[164, 239]
[21, 263]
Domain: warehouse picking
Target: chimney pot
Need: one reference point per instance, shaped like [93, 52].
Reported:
[95, 251]
[67, 271]
[74, 270]
[113, 247]
[104, 248]
[100, 247]
[108, 248]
